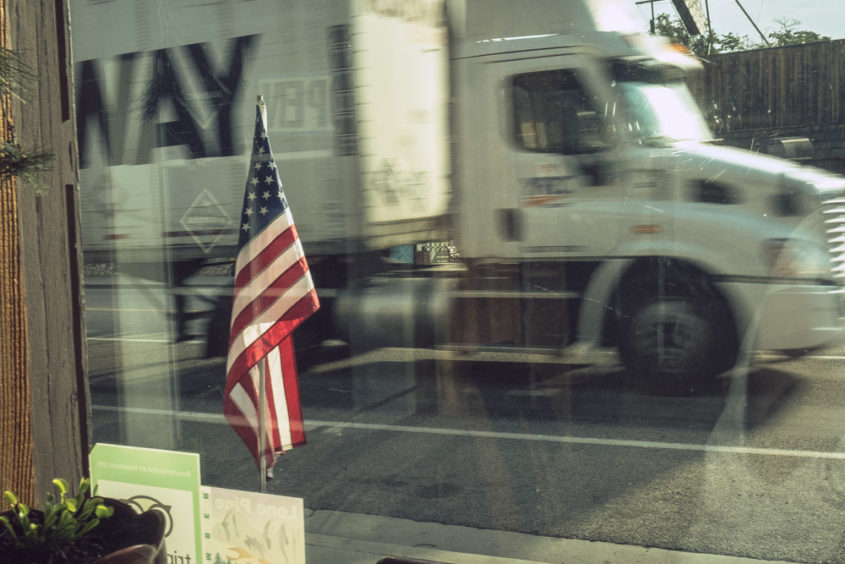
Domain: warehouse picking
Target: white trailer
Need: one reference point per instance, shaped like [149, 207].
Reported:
[165, 90]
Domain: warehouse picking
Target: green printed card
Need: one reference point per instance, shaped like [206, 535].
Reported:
[150, 478]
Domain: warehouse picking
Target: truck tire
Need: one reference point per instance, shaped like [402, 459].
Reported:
[678, 340]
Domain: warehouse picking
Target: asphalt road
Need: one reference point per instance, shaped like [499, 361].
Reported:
[753, 465]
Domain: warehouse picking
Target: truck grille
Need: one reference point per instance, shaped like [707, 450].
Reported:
[834, 225]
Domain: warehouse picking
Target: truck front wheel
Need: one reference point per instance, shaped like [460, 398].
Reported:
[677, 339]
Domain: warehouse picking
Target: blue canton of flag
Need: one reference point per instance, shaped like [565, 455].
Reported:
[265, 198]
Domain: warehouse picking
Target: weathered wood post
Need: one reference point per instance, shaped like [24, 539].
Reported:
[43, 393]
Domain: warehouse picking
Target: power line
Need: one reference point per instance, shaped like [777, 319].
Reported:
[766, 41]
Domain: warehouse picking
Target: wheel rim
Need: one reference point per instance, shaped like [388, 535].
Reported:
[671, 337]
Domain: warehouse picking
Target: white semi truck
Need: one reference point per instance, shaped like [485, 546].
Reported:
[551, 141]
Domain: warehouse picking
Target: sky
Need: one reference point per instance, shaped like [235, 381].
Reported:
[825, 17]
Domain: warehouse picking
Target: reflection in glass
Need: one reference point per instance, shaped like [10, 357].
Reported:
[661, 112]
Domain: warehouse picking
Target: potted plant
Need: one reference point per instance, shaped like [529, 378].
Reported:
[80, 529]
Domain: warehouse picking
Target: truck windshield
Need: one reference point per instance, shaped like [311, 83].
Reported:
[658, 113]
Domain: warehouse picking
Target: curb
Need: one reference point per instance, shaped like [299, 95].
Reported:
[352, 538]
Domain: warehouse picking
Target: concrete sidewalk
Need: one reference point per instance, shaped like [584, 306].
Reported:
[334, 537]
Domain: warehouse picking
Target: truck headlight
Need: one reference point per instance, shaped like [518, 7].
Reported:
[796, 258]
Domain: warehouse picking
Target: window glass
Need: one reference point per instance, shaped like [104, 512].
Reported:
[658, 112]
[554, 114]
[556, 317]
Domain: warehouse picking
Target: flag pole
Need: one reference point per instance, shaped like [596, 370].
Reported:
[262, 428]
[262, 399]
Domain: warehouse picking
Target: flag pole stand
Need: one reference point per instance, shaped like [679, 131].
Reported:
[262, 429]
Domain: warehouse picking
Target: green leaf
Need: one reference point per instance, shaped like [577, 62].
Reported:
[23, 514]
[8, 525]
[86, 510]
[62, 485]
[87, 528]
[51, 517]
[16, 75]
[66, 520]
[33, 532]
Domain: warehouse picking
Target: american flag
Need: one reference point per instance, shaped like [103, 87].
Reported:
[273, 294]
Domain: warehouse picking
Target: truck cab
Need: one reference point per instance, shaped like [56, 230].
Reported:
[582, 161]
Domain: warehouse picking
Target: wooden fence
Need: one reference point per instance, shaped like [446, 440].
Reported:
[779, 90]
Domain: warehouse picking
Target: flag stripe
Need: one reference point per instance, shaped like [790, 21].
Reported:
[241, 412]
[249, 355]
[260, 333]
[253, 247]
[296, 428]
[280, 235]
[239, 406]
[272, 367]
[250, 303]
[276, 399]
[245, 412]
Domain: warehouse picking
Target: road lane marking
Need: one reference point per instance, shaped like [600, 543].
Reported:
[534, 392]
[314, 424]
[131, 340]
[486, 356]
[135, 309]
[580, 440]
[784, 358]
[822, 357]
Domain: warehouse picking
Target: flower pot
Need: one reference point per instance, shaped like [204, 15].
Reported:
[142, 535]
[126, 537]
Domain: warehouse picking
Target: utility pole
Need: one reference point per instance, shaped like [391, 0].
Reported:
[651, 21]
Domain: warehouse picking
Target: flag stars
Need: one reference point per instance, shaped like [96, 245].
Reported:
[261, 205]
